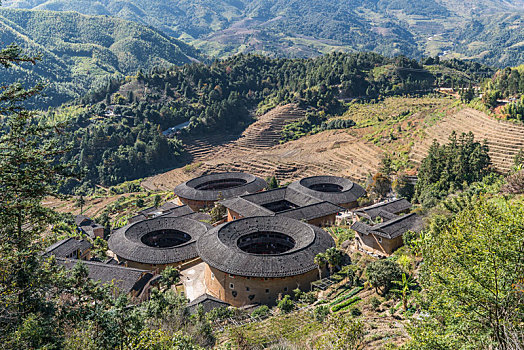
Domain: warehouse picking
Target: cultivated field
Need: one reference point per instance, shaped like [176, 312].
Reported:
[504, 138]
[354, 153]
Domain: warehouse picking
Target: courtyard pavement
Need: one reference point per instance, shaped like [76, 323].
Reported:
[193, 280]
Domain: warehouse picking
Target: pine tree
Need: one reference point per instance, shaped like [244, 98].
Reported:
[28, 173]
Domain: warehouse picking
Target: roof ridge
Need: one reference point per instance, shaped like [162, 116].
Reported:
[392, 221]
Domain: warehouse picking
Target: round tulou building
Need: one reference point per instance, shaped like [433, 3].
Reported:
[256, 259]
[158, 242]
[333, 189]
[204, 191]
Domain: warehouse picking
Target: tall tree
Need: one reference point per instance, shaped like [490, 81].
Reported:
[28, 173]
[472, 278]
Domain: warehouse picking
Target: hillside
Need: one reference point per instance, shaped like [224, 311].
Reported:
[504, 139]
[309, 28]
[80, 52]
[354, 153]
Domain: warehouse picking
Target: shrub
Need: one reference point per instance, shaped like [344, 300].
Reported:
[261, 311]
[321, 313]
[355, 311]
[375, 303]
[286, 305]
[220, 313]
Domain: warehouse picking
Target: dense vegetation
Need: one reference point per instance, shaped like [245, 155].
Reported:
[81, 52]
[119, 137]
[472, 277]
[448, 168]
[487, 32]
[495, 40]
[470, 294]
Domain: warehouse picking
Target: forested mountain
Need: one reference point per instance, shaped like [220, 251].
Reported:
[118, 137]
[305, 28]
[79, 52]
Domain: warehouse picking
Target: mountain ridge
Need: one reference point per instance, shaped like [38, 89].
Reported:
[80, 51]
[309, 28]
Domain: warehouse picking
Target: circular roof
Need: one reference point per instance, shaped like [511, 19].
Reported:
[334, 189]
[226, 185]
[220, 249]
[133, 242]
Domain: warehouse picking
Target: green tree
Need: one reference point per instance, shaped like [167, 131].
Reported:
[157, 200]
[28, 173]
[99, 248]
[380, 185]
[472, 279]
[218, 212]
[334, 258]
[286, 305]
[382, 273]
[403, 187]
[320, 260]
[448, 167]
[170, 277]
[80, 202]
[272, 183]
[404, 287]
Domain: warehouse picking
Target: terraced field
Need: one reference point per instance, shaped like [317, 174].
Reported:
[257, 151]
[398, 125]
[504, 139]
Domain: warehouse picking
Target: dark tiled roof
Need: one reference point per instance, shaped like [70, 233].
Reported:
[136, 218]
[308, 207]
[392, 228]
[149, 210]
[245, 207]
[199, 216]
[312, 211]
[218, 247]
[82, 219]
[189, 189]
[348, 191]
[168, 206]
[124, 278]
[208, 302]
[177, 211]
[386, 215]
[126, 242]
[394, 207]
[65, 247]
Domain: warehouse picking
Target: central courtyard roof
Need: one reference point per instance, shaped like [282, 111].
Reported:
[127, 242]
[232, 184]
[219, 247]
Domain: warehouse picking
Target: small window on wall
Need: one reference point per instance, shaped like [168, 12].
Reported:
[212, 276]
[267, 290]
[234, 293]
[251, 297]
[379, 239]
[231, 286]
[247, 289]
[234, 217]
[232, 276]
[285, 289]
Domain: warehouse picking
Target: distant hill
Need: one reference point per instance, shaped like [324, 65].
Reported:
[305, 28]
[80, 52]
